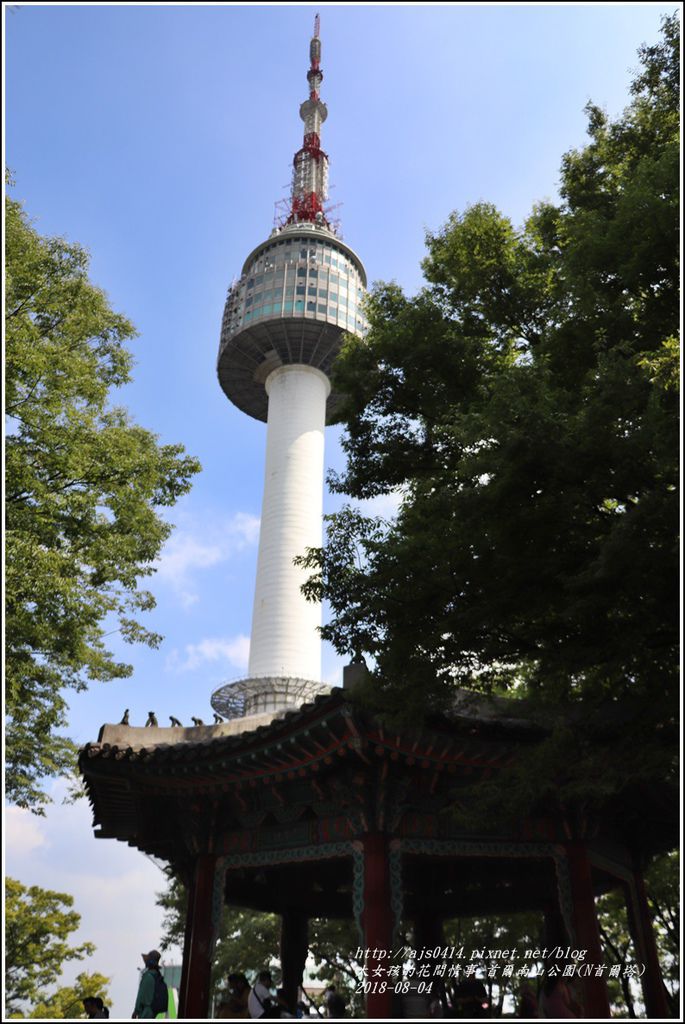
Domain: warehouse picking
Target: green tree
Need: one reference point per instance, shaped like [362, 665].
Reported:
[38, 924]
[67, 1002]
[618, 949]
[524, 404]
[662, 882]
[518, 934]
[85, 486]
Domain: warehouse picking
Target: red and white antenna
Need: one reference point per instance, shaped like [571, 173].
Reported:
[309, 189]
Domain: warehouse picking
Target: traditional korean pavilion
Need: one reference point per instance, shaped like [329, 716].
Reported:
[323, 812]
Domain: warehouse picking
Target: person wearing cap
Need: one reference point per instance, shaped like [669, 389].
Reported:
[146, 988]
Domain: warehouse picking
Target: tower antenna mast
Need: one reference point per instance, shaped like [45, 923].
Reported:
[309, 188]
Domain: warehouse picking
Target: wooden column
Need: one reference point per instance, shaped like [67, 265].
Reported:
[294, 949]
[556, 933]
[642, 932]
[197, 949]
[183, 985]
[594, 990]
[378, 925]
[428, 929]
[429, 933]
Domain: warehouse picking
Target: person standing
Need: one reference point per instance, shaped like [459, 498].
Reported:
[261, 1002]
[150, 996]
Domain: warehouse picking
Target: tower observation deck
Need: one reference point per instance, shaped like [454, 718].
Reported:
[298, 293]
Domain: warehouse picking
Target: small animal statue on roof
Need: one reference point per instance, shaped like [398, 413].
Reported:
[175, 721]
[124, 720]
[151, 719]
[217, 719]
[197, 721]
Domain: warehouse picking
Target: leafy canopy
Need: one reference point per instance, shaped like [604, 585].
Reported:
[67, 1002]
[663, 896]
[38, 924]
[85, 486]
[524, 405]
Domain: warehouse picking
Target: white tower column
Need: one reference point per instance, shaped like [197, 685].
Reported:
[284, 640]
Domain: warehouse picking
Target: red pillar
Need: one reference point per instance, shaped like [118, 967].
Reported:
[594, 990]
[197, 949]
[640, 922]
[378, 924]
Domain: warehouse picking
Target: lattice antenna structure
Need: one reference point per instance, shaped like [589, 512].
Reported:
[309, 189]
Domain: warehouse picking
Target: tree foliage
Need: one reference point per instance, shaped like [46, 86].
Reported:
[38, 924]
[518, 934]
[85, 486]
[67, 1002]
[524, 404]
[662, 883]
[663, 896]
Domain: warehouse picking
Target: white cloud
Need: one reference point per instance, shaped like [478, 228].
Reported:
[23, 831]
[191, 550]
[384, 505]
[231, 650]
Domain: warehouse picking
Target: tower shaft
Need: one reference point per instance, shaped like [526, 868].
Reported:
[299, 292]
[284, 640]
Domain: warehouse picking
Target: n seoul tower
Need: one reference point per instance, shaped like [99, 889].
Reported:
[298, 293]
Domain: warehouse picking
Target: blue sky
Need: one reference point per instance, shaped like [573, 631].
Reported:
[159, 137]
